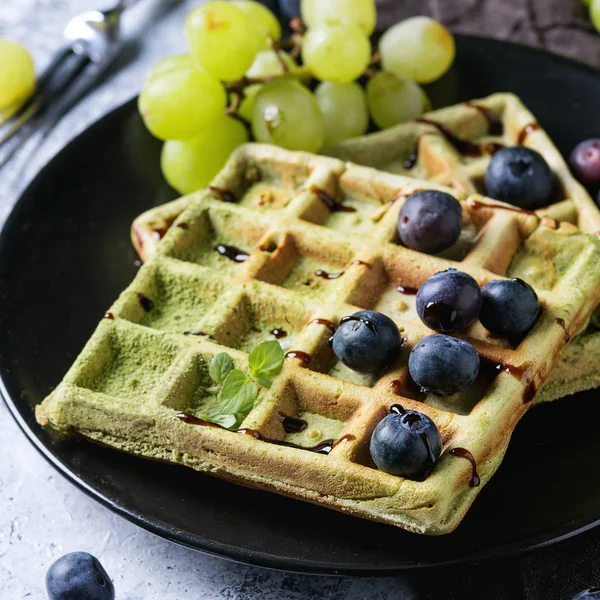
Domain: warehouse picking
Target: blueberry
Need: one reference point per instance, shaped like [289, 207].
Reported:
[429, 221]
[520, 176]
[449, 301]
[406, 443]
[443, 365]
[367, 341]
[585, 161]
[591, 594]
[509, 308]
[78, 576]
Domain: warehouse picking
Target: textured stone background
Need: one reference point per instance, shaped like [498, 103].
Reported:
[42, 516]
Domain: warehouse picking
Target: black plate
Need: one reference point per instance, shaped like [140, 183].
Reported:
[65, 256]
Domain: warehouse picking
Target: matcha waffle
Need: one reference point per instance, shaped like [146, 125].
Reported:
[291, 243]
[457, 155]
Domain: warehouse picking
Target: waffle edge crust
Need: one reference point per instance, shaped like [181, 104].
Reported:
[139, 370]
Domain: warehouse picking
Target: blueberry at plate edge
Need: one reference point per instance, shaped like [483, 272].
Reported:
[406, 443]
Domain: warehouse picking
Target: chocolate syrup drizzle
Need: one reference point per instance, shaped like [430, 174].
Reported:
[526, 131]
[324, 447]
[331, 326]
[329, 202]
[326, 275]
[200, 333]
[495, 126]
[407, 290]
[292, 424]
[109, 315]
[464, 453]
[278, 333]
[232, 253]
[303, 356]
[561, 322]
[225, 195]
[146, 303]
[464, 147]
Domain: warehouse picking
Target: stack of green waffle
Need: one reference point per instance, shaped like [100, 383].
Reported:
[293, 242]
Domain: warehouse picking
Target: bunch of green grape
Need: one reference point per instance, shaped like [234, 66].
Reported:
[237, 82]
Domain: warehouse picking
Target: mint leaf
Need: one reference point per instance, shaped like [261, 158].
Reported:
[238, 394]
[220, 366]
[264, 380]
[214, 416]
[266, 360]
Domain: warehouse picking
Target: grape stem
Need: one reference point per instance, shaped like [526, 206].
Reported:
[374, 64]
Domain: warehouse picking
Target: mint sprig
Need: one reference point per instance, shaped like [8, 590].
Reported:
[237, 392]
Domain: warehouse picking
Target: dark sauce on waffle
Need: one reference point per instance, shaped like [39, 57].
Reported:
[396, 387]
[495, 126]
[183, 225]
[292, 424]
[158, 233]
[411, 161]
[516, 372]
[526, 131]
[329, 202]
[200, 333]
[407, 290]
[223, 194]
[561, 322]
[362, 320]
[331, 326]
[363, 263]
[326, 275]
[463, 147]
[324, 447]
[303, 356]
[464, 453]
[146, 303]
[232, 253]
[109, 315]
[278, 333]
[529, 392]
[476, 205]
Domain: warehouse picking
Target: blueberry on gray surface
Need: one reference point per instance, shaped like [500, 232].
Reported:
[509, 308]
[443, 365]
[406, 443]
[78, 576]
[520, 176]
[449, 301]
[367, 341]
[430, 221]
[591, 594]
[585, 161]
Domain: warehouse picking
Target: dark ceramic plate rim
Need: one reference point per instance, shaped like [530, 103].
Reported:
[255, 557]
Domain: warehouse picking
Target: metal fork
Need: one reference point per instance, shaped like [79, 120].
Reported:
[92, 41]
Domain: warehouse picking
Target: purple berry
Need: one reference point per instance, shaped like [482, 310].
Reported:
[585, 161]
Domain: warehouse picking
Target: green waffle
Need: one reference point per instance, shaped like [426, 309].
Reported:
[140, 370]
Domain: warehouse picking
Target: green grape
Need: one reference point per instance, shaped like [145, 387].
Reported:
[344, 109]
[393, 98]
[267, 63]
[595, 13]
[426, 101]
[177, 100]
[171, 63]
[189, 165]
[17, 74]
[332, 12]
[586, 2]
[418, 47]
[286, 114]
[338, 53]
[262, 18]
[221, 39]
[246, 108]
